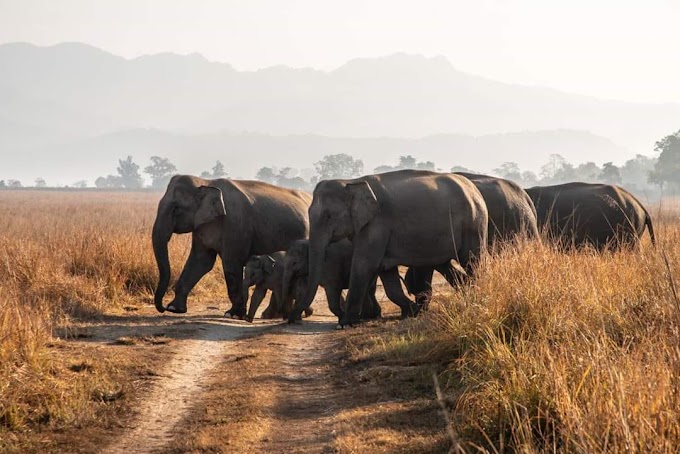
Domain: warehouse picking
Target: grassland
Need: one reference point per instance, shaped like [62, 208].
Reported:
[546, 351]
[65, 257]
[554, 352]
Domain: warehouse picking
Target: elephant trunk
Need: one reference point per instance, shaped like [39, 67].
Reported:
[288, 275]
[317, 255]
[162, 232]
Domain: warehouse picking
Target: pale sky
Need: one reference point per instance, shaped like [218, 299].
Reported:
[620, 49]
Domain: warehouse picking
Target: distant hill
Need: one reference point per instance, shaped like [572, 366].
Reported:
[244, 154]
[76, 96]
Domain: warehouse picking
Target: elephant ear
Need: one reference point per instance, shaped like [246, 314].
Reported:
[268, 263]
[211, 205]
[364, 205]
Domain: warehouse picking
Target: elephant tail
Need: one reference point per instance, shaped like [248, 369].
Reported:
[650, 227]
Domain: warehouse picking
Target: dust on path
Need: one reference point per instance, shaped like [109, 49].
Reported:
[181, 383]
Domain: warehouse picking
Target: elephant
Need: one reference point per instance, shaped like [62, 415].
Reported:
[234, 219]
[511, 210]
[511, 213]
[600, 215]
[334, 275]
[266, 272]
[406, 217]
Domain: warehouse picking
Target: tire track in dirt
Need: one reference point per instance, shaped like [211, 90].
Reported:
[302, 418]
[180, 385]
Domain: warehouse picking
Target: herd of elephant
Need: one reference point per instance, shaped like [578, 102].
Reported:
[352, 231]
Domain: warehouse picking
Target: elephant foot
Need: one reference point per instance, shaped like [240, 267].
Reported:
[308, 312]
[294, 317]
[176, 308]
[234, 315]
[348, 321]
[410, 311]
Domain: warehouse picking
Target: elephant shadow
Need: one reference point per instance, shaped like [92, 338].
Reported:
[157, 328]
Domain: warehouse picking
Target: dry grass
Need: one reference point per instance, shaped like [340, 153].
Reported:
[66, 256]
[552, 351]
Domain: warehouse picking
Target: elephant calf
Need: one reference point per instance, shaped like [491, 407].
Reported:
[265, 272]
[334, 276]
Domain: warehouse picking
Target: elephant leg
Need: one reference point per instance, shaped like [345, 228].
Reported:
[366, 262]
[454, 274]
[335, 300]
[201, 260]
[273, 309]
[300, 287]
[255, 300]
[284, 307]
[470, 254]
[233, 275]
[418, 282]
[394, 292]
[371, 308]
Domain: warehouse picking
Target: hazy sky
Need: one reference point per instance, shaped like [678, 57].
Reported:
[623, 49]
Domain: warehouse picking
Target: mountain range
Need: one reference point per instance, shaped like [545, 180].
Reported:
[74, 109]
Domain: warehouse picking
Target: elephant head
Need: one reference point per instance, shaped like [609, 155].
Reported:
[257, 269]
[188, 203]
[340, 209]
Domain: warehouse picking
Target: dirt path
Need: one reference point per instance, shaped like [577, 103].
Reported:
[302, 418]
[289, 394]
[181, 382]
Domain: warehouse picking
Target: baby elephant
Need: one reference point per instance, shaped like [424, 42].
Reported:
[265, 272]
[334, 275]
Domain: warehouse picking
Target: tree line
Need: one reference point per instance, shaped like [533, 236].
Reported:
[636, 174]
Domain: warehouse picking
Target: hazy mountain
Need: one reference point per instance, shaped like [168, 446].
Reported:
[74, 96]
[244, 154]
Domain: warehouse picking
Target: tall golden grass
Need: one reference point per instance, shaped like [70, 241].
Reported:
[554, 351]
[67, 256]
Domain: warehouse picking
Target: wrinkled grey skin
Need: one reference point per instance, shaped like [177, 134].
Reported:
[600, 215]
[511, 213]
[334, 277]
[511, 210]
[230, 218]
[266, 272]
[408, 217]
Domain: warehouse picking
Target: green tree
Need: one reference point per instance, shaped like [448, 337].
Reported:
[635, 172]
[529, 179]
[14, 184]
[588, 172]
[40, 183]
[667, 168]
[339, 166]
[610, 174]
[509, 170]
[425, 165]
[550, 169]
[160, 171]
[461, 169]
[266, 174]
[129, 173]
[217, 171]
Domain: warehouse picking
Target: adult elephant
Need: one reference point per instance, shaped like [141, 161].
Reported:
[334, 276]
[511, 214]
[601, 215]
[407, 217]
[230, 218]
[511, 210]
